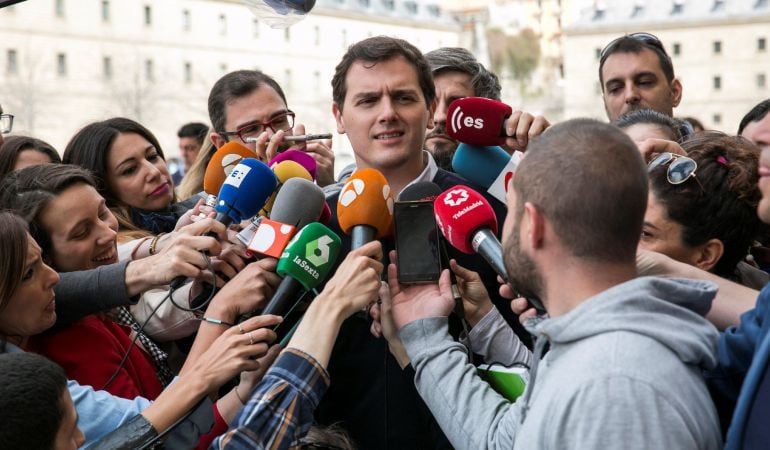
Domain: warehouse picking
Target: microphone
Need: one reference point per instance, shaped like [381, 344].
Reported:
[245, 191]
[284, 171]
[477, 121]
[298, 203]
[305, 262]
[326, 214]
[222, 162]
[489, 167]
[422, 190]
[468, 222]
[365, 207]
[298, 157]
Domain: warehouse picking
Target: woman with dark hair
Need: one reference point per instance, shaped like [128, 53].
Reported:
[19, 152]
[131, 174]
[27, 309]
[702, 207]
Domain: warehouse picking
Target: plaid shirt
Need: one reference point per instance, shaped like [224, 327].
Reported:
[280, 410]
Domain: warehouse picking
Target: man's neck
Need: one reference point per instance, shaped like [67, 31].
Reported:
[575, 281]
[399, 177]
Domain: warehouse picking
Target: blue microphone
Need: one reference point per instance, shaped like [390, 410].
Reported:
[245, 191]
[489, 167]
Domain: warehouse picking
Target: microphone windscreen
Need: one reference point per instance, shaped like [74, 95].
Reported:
[461, 211]
[298, 157]
[298, 203]
[422, 190]
[246, 189]
[310, 255]
[222, 162]
[284, 171]
[326, 214]
[480, 165]
[477, 120]
[366, 200]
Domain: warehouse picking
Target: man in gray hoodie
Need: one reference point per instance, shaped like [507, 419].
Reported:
[624, 368]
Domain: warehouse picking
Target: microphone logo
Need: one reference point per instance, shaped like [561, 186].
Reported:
[459, 119]
[317, 252]
[351, 191]
[229, 161]
[456, 197]
[237, 175]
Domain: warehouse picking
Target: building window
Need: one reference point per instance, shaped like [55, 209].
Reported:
[717, 47]
[61, 64]
[287, 78]
[222, 24]
[411, 7]
[717, 119]
[676, 49]
[388, 4]
[363, 3]
[223, 67]
[718, 5]
[317, 33]
[286, 34]
[434, 10]
[105, 10]
[598, 53]
[186, 25]
[717, 82]
[638, 10]
[188, 72]
[761, 80]
[59, 8]
[760, 4]
[147, 15]
[761, 44]
[107, 68]
[317, 80]
[255, 27]
[149, 70]
[678, 7]
[598, 14]
[11, 62]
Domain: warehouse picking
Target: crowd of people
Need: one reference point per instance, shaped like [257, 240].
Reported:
[130, 317]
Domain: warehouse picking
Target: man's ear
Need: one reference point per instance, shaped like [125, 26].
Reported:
[338, 118]
[535, 226]
[707, 255]
[676, 92]
[431, 112]
[217, 140]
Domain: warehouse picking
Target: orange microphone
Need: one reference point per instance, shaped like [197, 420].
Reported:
[365, 207]
[222, 162]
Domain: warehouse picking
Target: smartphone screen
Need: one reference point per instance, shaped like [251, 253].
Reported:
[416, 242]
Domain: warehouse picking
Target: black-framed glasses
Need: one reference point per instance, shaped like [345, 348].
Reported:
[680, 168]
[6, 123]
[646, 38]
[281, 122]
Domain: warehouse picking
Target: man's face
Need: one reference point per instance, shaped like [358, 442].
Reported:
[450, 85]
[260, 106]
[521, 269]
[759, 132]
[188, 150]
[635, 81]
[384, 114]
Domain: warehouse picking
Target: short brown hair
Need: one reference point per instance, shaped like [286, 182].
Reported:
[590, 181]
[377, 49]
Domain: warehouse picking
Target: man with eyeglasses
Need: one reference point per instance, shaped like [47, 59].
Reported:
[6, 124]
[250, 104]
[635, 72]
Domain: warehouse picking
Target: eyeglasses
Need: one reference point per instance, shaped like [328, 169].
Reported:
[6, 123]
[281, 122]
[680, 169]
[645, 38]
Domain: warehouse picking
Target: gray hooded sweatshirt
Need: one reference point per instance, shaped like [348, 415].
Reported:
[623, 372]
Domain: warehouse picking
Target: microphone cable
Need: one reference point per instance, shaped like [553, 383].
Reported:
[168, 296]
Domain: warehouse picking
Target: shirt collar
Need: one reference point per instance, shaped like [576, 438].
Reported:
[428, 173]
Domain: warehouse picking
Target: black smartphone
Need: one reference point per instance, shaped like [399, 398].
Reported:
[417, 247]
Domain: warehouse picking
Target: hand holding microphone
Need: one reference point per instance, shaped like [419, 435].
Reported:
[485, 122]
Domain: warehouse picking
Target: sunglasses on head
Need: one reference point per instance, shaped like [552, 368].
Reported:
[680, 168]
[646, 38]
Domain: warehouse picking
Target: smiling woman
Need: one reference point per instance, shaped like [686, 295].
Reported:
[131, 174]
[76, 231]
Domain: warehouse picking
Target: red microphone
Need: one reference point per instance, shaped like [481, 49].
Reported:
[477, 121]
[468, 222]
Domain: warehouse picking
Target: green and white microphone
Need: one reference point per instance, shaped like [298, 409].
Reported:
[305, 262]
